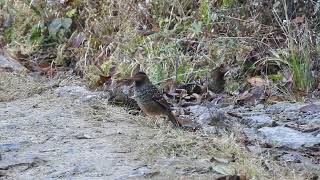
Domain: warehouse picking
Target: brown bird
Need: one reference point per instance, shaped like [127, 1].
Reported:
[150, 100]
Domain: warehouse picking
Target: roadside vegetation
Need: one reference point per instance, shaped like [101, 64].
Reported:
[275, 41]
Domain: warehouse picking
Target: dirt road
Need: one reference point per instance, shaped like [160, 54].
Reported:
[57, 129]
[69, 132]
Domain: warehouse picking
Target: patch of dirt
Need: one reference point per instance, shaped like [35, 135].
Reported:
[56, 133]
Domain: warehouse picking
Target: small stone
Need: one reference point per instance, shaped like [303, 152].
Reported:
[83, 136]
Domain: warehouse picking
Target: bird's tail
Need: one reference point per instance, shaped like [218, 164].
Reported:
[173, 119]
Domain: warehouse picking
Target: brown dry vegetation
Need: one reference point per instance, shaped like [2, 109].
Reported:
[276, 40]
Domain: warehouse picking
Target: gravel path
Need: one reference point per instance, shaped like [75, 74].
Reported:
[53, 129]
[60, 130]
[46, 136]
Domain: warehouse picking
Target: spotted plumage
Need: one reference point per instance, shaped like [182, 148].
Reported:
[150, 100]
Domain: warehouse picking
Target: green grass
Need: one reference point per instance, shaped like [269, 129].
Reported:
[300, 67]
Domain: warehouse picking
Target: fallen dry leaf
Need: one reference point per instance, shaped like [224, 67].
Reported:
[188, 124]
[257, 81]
[274, 99]
[102, 79]
[253, 96]
[49, 71]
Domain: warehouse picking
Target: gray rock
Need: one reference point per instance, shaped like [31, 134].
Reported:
[12, 146]
[258, 121]
[310, 108]
[73, 91]
[6, 63]
[9, 147]
[26, 162]
[212, 118]
[95, 96]
[206, 116]
[252, 134]
[80, 92]
[284, 107]
[259, 107]
[292, 157]
[256, 149]
[299, 158]
[291, 116]
[287, 137]
[198, 110]
[315, 121]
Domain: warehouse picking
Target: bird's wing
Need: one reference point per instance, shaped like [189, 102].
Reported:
[158, 97]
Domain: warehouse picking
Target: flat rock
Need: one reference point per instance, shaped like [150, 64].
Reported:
[16, 162]
[80, 92]
[198, 110]
[209, 116]
[204, 118]
[285, 107]
[287, 137]
[311, 108]
[258, 121]
[74, 91]
[9, 147]
[8, 63]
[16, 146]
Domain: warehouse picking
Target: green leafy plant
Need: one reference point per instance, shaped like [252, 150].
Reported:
[197, 27]
[59, 27]
[36, 36]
